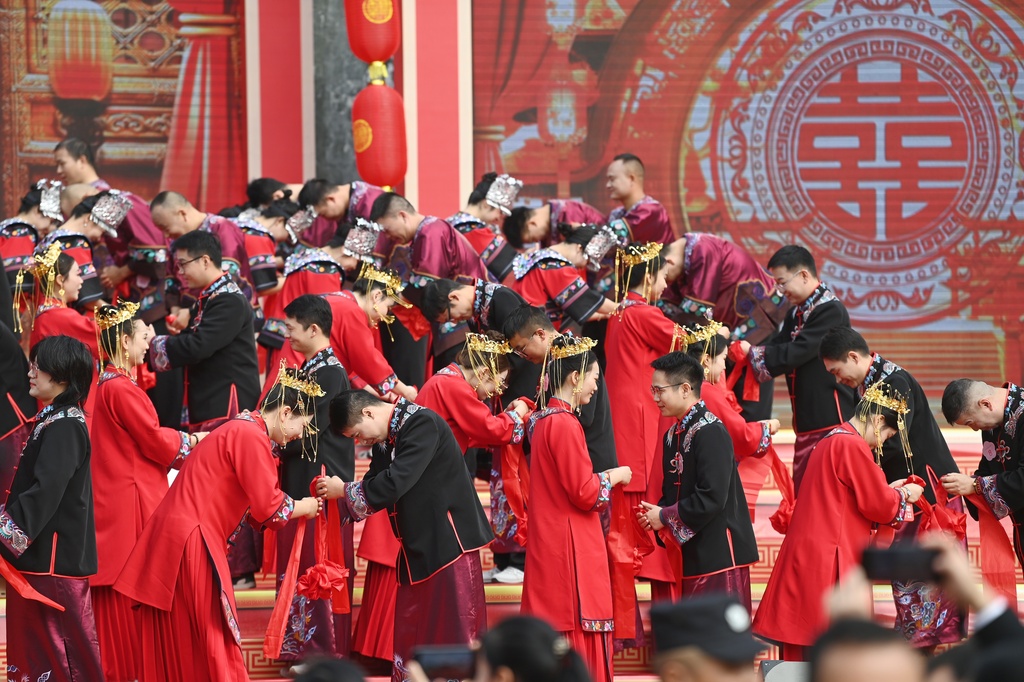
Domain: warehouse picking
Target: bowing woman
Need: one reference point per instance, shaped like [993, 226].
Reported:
[844, 499]
[46, 526]
[179, 571]
[567, 582]
[133, 454]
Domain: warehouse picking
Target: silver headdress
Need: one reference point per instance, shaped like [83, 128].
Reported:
[299, 222]
[110, 210]
[362, 239]
[503, 192]
[49, 203]
[611, 236]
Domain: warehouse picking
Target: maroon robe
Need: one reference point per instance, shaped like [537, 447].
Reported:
[647, 219]
[360, 201]
[141, 246]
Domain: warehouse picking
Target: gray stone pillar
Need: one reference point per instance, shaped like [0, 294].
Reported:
[338, 78]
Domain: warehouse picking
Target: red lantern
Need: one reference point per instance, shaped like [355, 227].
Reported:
[378, 133]
[374, 30]
[80, 50]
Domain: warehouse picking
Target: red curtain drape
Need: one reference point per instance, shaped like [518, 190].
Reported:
[206, 146]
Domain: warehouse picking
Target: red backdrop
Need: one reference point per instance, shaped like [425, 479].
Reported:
[885, 135]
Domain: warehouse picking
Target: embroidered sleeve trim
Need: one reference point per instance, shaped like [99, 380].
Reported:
[183, 450]
[355, 498]
[520, 428]
[604, 493]
[388, 384]
[681, 533]
[158, 358]
[597, 625]
[902, 511]
[990, 492]
[765, 442]
[283, 514]
[757, 363]
[11, 536]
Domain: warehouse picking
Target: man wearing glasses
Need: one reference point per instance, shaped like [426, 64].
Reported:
[819, 403]
[217, 349]
[702, 508]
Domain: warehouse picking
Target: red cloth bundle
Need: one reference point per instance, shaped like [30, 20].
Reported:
[627, 544]
[751, 387]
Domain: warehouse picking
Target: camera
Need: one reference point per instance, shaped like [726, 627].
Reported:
[448, 662]
[902, 563]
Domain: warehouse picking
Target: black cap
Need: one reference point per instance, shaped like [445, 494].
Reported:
[718, 625]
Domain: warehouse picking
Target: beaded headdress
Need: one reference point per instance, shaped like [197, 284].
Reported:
[110, 210]
[362, 239]
[484, 351]
[553, 375]
[503, 192]
[114, 316]
[880, 396]
[393, 285]
[631, 256]
[44, 269]
[308, 389]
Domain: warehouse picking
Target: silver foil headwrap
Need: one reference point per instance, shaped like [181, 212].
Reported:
[110, 210]
[49, 203]
[362, 239]
[608, 237]
[503, 193]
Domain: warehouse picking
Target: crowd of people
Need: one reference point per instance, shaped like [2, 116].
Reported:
[609, 377]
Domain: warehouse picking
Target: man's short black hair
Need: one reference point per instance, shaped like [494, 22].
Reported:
[525, 321]
[956, 399]
[390, 202]
[77, 149]
[199, 243]
[260, 191]
[170, 199]
[794, 257]
[310, 309]
[626, 157]
[855, 632]
[315, 191]
[840, 341]
[434, 297]
[346, 408]
[680, 367]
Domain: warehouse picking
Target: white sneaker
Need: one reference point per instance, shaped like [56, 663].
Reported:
[509, 576]
[489, 574]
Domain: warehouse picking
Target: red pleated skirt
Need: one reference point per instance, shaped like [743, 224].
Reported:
[595, 648]
[117, 625]
[374, 634]
[192, 641]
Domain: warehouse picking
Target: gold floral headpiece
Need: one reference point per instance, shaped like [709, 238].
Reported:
[704, 333]
[480, 343]
[576, 345]
[301, 383]
[45, 262]
[631, 257]
[113, 316]
[392, 284]
[880, 394]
